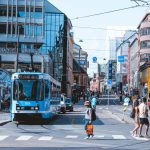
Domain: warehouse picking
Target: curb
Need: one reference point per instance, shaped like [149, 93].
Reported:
[4, 122]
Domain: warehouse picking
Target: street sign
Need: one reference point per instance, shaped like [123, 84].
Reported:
[121, 58]
[109, 82]
[94, 59]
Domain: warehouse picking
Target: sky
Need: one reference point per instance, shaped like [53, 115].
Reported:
[94, 40]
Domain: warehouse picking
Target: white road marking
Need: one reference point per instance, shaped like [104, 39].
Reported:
[23, 138]
[2, 137]
[99, 136]
[71, 136]
[140, 138]
[100, 108]
[118, 137]
[45, 138]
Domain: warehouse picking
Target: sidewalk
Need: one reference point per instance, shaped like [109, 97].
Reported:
[4, 117]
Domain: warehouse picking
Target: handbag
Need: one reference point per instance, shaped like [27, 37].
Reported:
[132, 114]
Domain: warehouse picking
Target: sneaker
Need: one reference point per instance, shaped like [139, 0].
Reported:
[86, 138]
[91, 135]
[141, 136]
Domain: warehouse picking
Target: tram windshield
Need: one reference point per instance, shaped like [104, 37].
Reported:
[28, 90]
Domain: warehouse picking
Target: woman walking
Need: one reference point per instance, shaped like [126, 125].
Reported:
[136, 119]
[88, 117]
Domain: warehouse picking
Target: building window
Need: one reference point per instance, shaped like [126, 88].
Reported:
[9, 11]
[145, 44]
[21, 12]
[14, 12]
[21, 29]
[38, 12]
[27, 29]
[3, 28]
[14, 29]
[38, 30]
[10, 45]
[3, 10]
[27, 11]
[32, 12]
[145, 31]
[2, 45]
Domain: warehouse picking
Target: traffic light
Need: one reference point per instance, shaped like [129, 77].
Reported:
[110, 70]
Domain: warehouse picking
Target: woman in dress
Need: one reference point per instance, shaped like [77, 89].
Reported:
[136, 119]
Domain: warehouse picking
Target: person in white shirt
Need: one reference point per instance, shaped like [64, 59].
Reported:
[143, 115]
[88, 115]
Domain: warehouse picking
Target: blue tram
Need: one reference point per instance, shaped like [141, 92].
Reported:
[34, 95]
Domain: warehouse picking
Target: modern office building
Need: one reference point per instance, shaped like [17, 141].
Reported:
[21, 31]
[34, 35]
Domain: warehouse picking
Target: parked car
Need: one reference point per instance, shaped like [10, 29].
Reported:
[69, 104]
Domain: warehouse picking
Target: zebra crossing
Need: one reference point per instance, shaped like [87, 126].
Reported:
[49, 138]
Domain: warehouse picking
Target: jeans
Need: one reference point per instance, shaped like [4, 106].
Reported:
[86, 122]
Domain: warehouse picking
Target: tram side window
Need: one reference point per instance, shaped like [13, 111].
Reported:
[53, 93]
[46, 89]
[15, 90]
[42, 90]
[35, 88]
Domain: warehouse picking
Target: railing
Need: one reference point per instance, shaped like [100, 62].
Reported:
[14, 51]
[145, 57]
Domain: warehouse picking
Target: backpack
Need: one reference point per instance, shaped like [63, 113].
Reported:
[93, 115]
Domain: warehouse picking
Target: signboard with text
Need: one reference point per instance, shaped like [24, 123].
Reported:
[121, 58]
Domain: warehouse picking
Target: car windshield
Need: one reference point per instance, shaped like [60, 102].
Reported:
[28, 90]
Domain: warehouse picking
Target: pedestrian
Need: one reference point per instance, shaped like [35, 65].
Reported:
[148, 103]
[94, 102]
[143, 115]
[88, 117]
[126, 99]
[136, 118]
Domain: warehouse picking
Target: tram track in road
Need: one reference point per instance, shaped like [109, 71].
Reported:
[58, 127]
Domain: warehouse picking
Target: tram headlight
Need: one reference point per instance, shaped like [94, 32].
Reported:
[36, 108]
[32, 108]
[22, 108]
[18, 108]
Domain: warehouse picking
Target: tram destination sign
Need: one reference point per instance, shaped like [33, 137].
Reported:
[28, 77]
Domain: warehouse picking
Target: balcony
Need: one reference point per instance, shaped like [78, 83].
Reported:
[22, 38]
[145, 57]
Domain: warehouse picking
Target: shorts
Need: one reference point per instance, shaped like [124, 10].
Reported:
[144, 121]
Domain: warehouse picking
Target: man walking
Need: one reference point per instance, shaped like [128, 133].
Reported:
[93, 102]
[143, 115]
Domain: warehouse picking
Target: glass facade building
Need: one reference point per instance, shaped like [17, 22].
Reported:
[53, 42]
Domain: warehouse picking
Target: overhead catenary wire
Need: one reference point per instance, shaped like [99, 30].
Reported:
[111, 11]
[100, 28]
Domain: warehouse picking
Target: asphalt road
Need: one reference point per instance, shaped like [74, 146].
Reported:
[66, 131]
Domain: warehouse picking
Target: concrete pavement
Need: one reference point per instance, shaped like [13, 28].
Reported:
[4, 117]
[117, 115]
